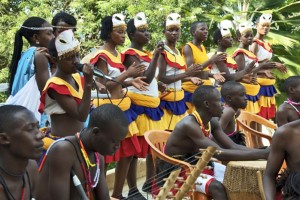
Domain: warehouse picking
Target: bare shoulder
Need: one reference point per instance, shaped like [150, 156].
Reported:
[283, 108]
[62, 151]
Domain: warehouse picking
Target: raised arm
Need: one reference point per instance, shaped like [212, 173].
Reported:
[274, 163]
[68, 103]
[42, 69]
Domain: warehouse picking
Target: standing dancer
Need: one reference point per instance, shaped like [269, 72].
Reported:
[265, 78]
[30, 70]
[194, 52]
[172, 71]
[109, 61]
[144, 103]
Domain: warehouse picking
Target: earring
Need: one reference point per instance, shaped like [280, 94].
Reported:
[37, 42]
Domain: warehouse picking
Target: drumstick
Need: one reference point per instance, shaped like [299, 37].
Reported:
[78, 186]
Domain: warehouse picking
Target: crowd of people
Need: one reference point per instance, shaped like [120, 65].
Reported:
[57, 140]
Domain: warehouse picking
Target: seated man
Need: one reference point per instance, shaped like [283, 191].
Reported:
[20, 141]
[285, 146]
[82, 155]
[289, 110]
[234, 95]
[194, 132]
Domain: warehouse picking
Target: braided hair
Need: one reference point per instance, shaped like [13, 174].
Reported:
[18, 44]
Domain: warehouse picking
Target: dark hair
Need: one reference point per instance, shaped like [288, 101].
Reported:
[130, 28]
[107, 114]
[292, 81]
[65, 17]
[194, 26]
[217, 35]
[228, 88]
[52, 48]
[202, 93]
[18, 44]
[106, 28]
[7, 116]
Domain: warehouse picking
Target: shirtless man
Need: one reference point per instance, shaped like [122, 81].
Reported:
[285, 146]
[82, 155]
[20, 141]
[289, 110]
[194, 131]
[234, 95]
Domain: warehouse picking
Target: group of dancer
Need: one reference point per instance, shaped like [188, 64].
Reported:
[162, 88]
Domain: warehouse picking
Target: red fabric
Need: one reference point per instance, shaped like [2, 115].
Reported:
[267, 113]
[261, 43]
[145, 148]
[60, 89]
[128, 147]
[132, 52]
[244, 51]
[173, 64]
[207, 185]
[120, 66]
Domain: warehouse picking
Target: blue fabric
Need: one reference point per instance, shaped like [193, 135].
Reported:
[24, 71]
[188, 97]
[131, 115]
[267, 90]
[177, 107]
[153, 113]
[252, 98]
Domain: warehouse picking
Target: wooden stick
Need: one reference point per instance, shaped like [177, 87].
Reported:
[164, 191]
[201, 164]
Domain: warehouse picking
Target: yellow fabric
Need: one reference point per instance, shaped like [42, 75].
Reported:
[266, 102]
[251, 89]
[207, 82]
[92, 55]
[176, 58]
[266, 81]
[144, 123]
[168, 116]
[144, 100]
[199, 56]
[47, 142]
[191, 107]
[58, 81]
[172, 95]
[252, 107]
[189, 86]
[124, 105]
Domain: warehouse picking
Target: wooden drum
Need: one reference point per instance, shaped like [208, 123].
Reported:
[240, 179]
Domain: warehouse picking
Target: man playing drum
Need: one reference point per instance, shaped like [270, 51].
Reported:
[195, 131]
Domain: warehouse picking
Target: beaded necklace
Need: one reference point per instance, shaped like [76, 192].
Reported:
[87, 173]
[293, 104]
[206, 132]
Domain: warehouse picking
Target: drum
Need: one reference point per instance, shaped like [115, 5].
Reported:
[240, 179]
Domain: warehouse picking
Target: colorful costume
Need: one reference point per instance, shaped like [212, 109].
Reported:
[145, 103]
[25, 91]
[200, 57]
[50, 106]
[267, 90]
[172, 101]
[130, 145]
[252, 91]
